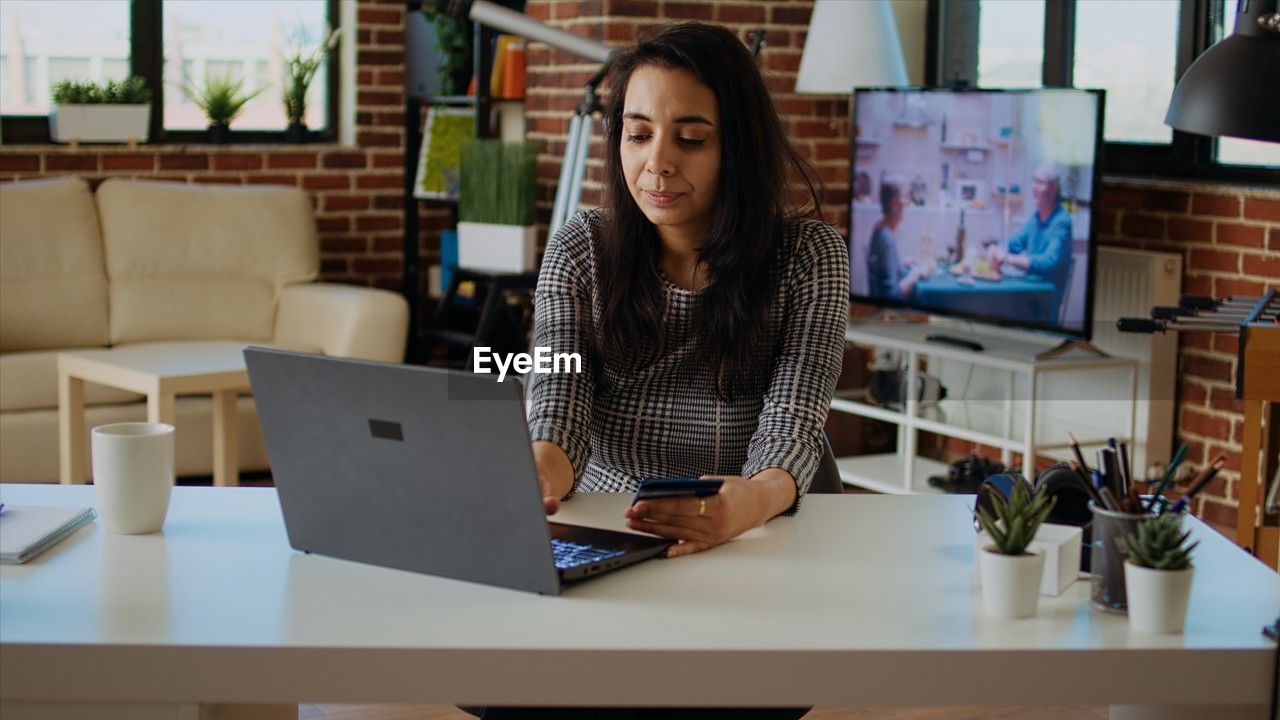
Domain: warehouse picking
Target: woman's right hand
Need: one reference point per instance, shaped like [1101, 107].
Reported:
[550, 501]
[555, 474]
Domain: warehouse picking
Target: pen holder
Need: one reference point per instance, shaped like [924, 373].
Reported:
[1106, 558]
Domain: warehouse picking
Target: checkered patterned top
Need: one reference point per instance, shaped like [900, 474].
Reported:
[666, 421]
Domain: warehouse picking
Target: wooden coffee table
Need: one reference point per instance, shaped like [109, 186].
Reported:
[161, 372]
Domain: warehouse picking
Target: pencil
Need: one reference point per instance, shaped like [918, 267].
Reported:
[1169, 472]
[1075, 448]
[1205, 476]
[1085, 482]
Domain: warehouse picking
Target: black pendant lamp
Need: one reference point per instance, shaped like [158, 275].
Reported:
[1233, 88]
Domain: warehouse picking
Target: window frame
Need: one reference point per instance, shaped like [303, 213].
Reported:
[1187, 156]
[146, 59]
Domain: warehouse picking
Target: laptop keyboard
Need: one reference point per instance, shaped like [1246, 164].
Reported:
[571, 554]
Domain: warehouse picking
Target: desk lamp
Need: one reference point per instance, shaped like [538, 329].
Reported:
[1233, 88]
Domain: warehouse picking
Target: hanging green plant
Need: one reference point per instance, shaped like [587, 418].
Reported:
[453, 44]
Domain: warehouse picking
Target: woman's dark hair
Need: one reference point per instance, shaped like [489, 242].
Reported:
[888, 192]
[749, 213]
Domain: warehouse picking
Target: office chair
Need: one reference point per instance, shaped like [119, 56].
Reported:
[827, 479]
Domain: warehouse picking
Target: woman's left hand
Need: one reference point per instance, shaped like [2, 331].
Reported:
[702, 523]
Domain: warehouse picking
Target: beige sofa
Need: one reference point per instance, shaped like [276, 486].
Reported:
[170, 265]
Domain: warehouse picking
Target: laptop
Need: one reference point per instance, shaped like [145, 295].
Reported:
[420, 469]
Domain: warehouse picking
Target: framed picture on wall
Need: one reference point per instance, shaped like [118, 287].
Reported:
[440, 161]
[970, 192]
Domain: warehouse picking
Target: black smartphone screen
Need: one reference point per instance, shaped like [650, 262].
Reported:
[662, 487]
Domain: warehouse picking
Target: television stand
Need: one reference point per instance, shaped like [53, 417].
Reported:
[1006, 398]
[955, 341]
[1067, 346]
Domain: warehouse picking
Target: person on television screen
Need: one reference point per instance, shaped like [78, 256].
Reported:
[1042, 246]
[889, 278]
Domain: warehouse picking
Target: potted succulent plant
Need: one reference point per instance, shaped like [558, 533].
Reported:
[1157, 574]
[111, 112]
[496, 206]
[1010, 575]
[221, 98]
[301, 69]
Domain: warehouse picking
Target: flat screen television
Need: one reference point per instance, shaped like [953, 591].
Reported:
[976, 203]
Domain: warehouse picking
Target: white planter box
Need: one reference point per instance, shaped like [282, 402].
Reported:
[505, 248]
[100, 123]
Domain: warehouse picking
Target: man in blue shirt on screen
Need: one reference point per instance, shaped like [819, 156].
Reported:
[1042, 246]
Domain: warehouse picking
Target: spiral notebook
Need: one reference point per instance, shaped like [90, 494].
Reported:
[26, 531]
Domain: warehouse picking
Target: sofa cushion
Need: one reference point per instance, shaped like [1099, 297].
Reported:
[194, 262]
[29, 381]
[53, 286]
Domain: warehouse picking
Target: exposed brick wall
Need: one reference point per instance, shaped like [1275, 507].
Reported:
[1229, 238]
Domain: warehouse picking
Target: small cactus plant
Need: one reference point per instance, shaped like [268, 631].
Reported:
[1159, 543]
[1015, 521]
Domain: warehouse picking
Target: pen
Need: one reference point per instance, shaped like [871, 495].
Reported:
[1169, 472]
[1126, 473]
[1205, 476]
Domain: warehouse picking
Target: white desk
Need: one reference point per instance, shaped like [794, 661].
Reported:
[861, 600]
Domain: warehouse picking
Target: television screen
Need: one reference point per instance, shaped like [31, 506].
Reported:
[976, 203]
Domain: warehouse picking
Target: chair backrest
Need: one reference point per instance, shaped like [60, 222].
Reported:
[827, 479]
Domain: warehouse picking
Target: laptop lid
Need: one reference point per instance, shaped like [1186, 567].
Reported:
[421, 469]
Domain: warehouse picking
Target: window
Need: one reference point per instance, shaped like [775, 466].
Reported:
[41, 48]
[1010, 43]
[1140, 36]
[174, 45]
[1134, 49]
[209, 38]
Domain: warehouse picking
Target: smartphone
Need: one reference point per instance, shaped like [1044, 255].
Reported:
[663, 487]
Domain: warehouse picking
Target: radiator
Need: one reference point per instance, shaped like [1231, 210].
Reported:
[1130, 283]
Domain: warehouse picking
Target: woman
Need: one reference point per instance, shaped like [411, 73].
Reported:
[888, 277]
[710, 321]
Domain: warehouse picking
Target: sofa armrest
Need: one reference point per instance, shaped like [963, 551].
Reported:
[343, 320]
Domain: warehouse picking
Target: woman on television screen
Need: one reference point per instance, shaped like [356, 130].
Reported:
[887, 277]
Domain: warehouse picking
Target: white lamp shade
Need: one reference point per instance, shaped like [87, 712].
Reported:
[851, 43]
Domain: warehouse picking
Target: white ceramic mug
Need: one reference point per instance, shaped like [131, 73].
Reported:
[133, 475]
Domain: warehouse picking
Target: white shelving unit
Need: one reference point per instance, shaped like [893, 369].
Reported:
[1024, 405]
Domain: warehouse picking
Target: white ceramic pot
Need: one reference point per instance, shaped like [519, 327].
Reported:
[1157, 598]
[1010, 583]
[100, 123]
[505, 248]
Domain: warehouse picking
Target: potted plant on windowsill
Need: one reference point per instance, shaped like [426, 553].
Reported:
[1157, 574]
[112, 112]
[496, 206]
[300, 70]
[221, 98]
[1011, 575]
